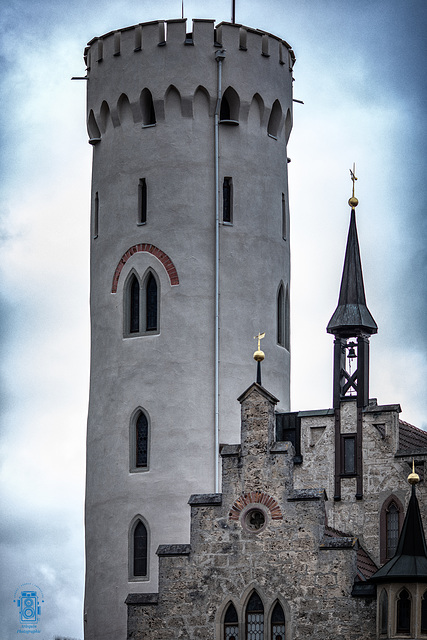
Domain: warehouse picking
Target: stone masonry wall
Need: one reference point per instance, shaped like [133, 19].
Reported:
[286, 560]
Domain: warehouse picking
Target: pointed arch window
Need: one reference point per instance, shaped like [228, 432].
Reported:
[403, 613]
[151, 323]
[391, 521]
[141, 305]
[392, 518]
[141, 435]
[281, 316]
[139, 550]
[383, 612]
[255, 618]
[134, 291]
[424, 613]
[231, 623]
[278, 623]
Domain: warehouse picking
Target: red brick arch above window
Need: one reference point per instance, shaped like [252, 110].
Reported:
[255, 497]
[156, 252]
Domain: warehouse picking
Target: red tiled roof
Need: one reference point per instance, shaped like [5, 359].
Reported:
[366, 567]
[410, 437]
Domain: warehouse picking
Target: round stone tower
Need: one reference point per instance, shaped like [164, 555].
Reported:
[189, 261]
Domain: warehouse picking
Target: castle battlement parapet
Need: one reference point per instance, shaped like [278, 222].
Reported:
[157, 56]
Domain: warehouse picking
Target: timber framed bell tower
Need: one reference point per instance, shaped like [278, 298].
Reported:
[352, 325]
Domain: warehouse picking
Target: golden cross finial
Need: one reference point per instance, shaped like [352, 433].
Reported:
[353, 202]
[259, 337]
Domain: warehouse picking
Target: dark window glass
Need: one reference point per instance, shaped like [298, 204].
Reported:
[280, 317]
[96, 216]
[134, 305]
[224, 113]
[140, 550]
[383, 611]
[141, 440]
[287, 322]
[424, 613]
[278, 623]
[255, 618]
[227, 203]
[284, 230]
[151, 303]
[392, 525]
[142, 201]
[231, 623]
[403, 613]
[349, 455]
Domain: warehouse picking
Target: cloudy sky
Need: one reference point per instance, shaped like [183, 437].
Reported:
[360, 71]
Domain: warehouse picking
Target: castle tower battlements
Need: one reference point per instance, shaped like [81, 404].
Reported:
[170, 154]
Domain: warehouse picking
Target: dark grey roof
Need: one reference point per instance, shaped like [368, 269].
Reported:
[409, 563]
[352, 317]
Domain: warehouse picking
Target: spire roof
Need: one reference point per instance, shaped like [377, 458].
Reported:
[352, 317]
[410, 560]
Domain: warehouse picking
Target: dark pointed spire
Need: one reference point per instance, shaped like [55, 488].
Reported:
[352, 317]
[409, 563]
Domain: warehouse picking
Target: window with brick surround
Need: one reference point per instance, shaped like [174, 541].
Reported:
[141, 304]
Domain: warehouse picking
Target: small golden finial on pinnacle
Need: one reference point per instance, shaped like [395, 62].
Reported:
[353, 202]
[259, 355]
[413, 477]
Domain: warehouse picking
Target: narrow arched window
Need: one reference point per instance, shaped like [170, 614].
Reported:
[287, 321]
[281, 317]
[224, 113]
[140, 550]
[392, 520]
[383, 611]
[403, 612]
[134, 288]
[274, 120]
[141, 435]
[255, 618]
[151, 303]
[424, 613]
[278, 623]
[231, 623]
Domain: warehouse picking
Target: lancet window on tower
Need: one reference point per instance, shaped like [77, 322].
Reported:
[142, 201]
[141, 440]
[139, 543]
[227, 200]
[141, 302]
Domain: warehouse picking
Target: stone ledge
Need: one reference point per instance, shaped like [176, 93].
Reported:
[280, 447]
[363, 590]
[174, 550]
[230, 450]
[381, 408]
[142, 598]
[205, 499]
[307, 494]
[338, 543]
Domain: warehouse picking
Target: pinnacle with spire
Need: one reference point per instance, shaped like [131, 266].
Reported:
[352, 316]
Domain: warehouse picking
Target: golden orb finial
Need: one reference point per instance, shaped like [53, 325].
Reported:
[353, 201]
[259, 355]
[413, 477]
